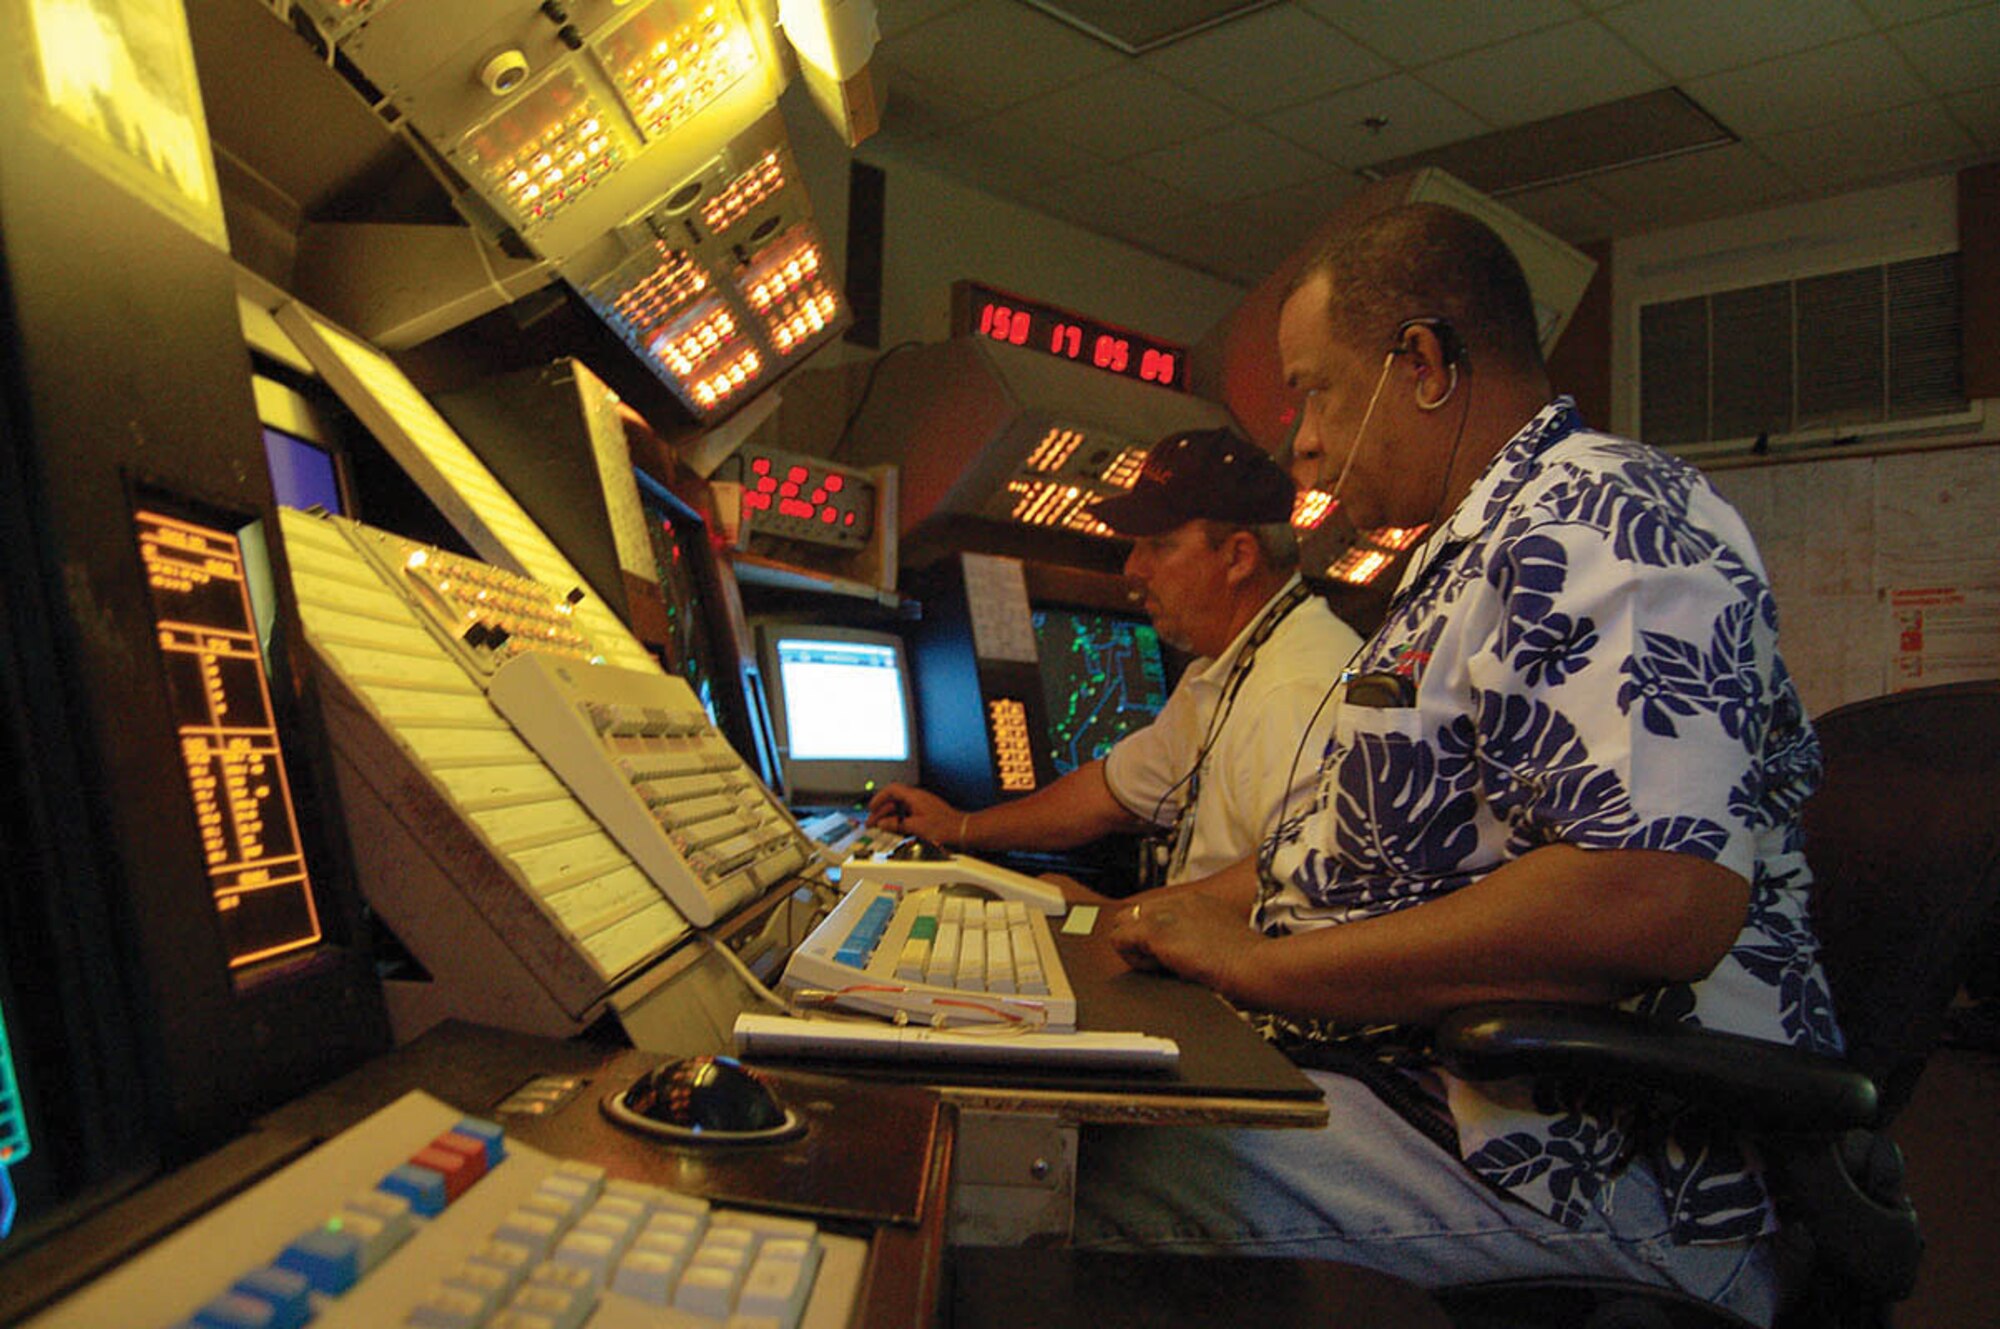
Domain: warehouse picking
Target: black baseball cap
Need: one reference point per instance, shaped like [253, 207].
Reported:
[1203, 474]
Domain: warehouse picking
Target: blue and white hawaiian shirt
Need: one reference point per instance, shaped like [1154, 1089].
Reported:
[1592, 645]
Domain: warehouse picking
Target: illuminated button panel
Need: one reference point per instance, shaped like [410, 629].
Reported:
[803, 498]
[1013, 755]
[714, 343]
[746, 193]
[488, 615]
[1365, 560]
[496, 613]
[642, 296]
[547, 150]
[671, 60]
[787, 288]
[1065, 470]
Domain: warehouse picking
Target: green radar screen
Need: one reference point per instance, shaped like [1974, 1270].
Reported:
[1103, 676]
[13, 1129]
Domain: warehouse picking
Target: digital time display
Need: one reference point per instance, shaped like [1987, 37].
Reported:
[981, 311]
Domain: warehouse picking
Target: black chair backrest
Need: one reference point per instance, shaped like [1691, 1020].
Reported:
[1904, 843]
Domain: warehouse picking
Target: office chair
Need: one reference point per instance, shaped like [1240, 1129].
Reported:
[1904, 844]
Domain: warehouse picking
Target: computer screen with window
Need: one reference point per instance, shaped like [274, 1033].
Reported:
[1103, 676]
[840, 703]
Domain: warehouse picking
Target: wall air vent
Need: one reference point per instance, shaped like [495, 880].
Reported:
[1813, 361]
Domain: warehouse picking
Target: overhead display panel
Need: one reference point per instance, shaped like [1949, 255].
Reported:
[633, 144]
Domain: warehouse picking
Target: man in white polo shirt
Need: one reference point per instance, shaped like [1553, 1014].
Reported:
[1214, 556]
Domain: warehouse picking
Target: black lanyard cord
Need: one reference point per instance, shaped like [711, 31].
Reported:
[1182, 831]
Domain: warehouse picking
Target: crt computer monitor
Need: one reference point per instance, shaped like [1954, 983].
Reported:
[303, 473]
[840, 703]
[1103, 676]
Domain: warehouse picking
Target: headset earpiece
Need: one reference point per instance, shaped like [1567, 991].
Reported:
[1450, 348]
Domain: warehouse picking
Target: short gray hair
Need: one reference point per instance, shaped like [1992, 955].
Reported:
[1277, 541]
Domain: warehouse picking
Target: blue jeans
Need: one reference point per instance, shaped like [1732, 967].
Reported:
[1369, 1189]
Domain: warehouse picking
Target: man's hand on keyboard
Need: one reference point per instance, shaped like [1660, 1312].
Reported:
[908, 810]
[1188, 933]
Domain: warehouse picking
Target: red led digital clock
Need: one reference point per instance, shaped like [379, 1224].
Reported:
[981, 311]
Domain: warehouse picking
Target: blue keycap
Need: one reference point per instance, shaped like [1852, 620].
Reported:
[491, 1134]
[234, 1311]
[328, 1259]
[287, 1293]
[423, 1188]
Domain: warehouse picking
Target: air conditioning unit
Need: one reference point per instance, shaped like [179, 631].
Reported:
[1804, 363]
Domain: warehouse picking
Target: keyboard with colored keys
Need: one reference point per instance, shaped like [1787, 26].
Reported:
[421, 1217]
[936, 957]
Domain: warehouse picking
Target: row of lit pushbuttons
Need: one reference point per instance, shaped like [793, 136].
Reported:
[677, 76]
[798, 509]
[1012, 757]
[677, 279]
[565, 160]
[768, 491]
[500, 611]
[745, 192]
[787, 268]
[1056, 447]
[707, 335]
[332, 1258]
[1045, 502]
[727, 381]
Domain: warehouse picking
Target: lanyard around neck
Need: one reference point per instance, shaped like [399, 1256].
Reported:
[1291, 598]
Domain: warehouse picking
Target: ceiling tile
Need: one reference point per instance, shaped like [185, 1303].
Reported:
[915, 107]
[1232, 163]
[1851, 152]
[1956, 53]
[1546, 73]
[1572, 212]
[899, 16]
[1265, 60]
[1417, 118]
[1800, 91]
[995, 53]
[1689, 38]
[1979, 112]
[1119, 114]
[1887, 12]
[1018, 150]
[1287, 217]
[1692, 187]
[1107, 197]
[1415, 32]
[1213, 241]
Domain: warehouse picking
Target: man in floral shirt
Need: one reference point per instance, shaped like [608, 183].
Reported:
[1568, 766]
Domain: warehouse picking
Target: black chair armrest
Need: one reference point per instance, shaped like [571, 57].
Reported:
[1764, 1086]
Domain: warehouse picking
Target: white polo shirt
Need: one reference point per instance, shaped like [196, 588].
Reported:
[1255, 756]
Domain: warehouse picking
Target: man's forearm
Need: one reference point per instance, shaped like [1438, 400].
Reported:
[1560, 924]
[1075, 810]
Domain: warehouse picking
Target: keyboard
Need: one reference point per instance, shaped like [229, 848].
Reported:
[844, 833]
[639, 751]
[934, 956]
[420, 1216]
